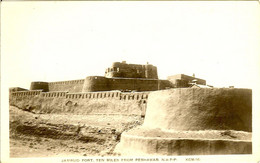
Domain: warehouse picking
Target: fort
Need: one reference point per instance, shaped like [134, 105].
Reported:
[183, 115]
[122, 82]
[120, 76]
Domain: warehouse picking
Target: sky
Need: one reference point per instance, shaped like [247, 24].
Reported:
[56, 41]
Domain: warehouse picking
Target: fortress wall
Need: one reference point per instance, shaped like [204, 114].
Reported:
[54, 94]
[97, 83]
[138, 84]
[134, 96]
[165, 84]
[26, 93]
[81, 103]
[100, 83]
[97, 95]
[88, 95]
[67, 86]
[122, 84]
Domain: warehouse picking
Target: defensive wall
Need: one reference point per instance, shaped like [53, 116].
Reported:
[112, 102]
[100, 83]
[88, 95]
[25, 93]
[69, 86]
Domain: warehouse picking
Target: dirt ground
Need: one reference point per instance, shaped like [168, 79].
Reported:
[54, 135]
[202, 134]
[46, 147]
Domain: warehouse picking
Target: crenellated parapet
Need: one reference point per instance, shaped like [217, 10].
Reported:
[26, 93]
[106, 102]
[88, 95]
[54, 94]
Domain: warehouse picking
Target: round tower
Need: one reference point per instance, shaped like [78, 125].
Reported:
[193, 121]
[151, 72]
[186, 109]
[39, 85]
[95, 83]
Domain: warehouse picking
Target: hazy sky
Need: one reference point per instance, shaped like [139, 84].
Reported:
[54, 41]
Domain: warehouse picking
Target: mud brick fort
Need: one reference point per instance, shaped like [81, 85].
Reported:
[183, 116]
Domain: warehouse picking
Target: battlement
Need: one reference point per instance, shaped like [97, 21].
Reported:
[26, 93]
[105, 102]
[88, 95]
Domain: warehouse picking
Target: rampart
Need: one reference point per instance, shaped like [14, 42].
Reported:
[69, 86]
[89, 95]
[99, 83]
[26, 93]
[112, 102]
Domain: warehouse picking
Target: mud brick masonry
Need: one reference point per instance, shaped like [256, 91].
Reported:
[187, 120]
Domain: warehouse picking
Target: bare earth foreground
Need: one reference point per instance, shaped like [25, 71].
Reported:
[54, 135]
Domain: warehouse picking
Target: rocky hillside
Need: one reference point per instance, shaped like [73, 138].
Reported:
[45, 135]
